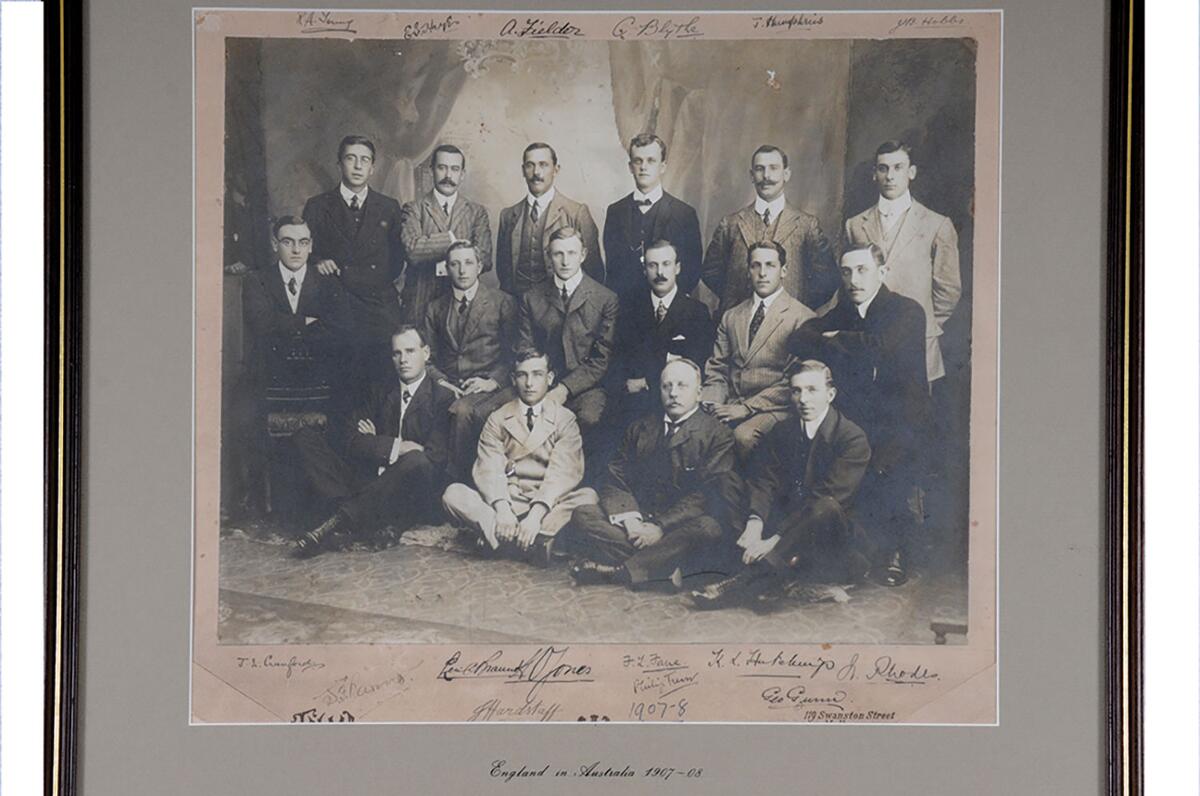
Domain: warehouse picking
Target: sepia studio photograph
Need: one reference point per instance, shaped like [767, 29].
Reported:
[596, 341]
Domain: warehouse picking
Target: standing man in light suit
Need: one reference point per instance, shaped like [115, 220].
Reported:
[430, 225]
[920, 247]
[526, 227]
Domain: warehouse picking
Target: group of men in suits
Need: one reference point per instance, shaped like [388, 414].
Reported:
[590, 408]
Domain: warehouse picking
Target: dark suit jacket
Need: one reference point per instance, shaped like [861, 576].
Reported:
[700, 455]
[669, 219]
[427, 422]
[489, 334]
[425, 231]
[562, 212]
[579, 342]
[371, 256]
[643, 343]
[837, 460]
[878, 365]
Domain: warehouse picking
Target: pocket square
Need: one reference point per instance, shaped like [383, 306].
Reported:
[677, 338]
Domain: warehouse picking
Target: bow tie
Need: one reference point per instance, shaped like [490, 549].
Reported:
[642, 202]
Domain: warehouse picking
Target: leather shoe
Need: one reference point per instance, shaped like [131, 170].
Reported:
[587, 572]
[317, 540]
[892, 572]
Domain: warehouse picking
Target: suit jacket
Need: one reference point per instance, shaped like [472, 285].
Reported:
[698, 457]
[427, 422]
[643, 343]
[752, 374]
[811, 270]
[837, 460]
[922, 264]
[878, 365]
[425, 231]
[669, 219]
[485, 346]
[580, 340]
[371, 255]
[562, 212]
[527, 467]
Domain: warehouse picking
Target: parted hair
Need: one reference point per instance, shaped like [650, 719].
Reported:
[286, 221]
[876, 253]
[812, 366]
[463, 244]
[449, 149]
[540, 145]
[404, 328]
[530, 352]
[765, 148]
[895, 145]
[353, 140]
[662, 243]
[766, 244]
[646, 139]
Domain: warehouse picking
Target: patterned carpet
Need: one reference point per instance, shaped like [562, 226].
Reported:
[428, 590]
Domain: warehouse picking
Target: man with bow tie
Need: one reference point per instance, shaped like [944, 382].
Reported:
[660, 506]
[646, 215]
[527, 471]
[389, 465]
[812, 276]
[434, 223]
[526, 227]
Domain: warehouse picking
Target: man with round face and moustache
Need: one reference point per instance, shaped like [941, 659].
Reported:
[660, 503]
[647, 215]
[432, 224]
[388, 466]
[528, 465]
[798, 495]
[811, 279]
[356, 239]
[527, 227]
[874, 339]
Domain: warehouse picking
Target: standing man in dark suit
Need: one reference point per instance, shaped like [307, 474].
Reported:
[798, 494]
[472, 333]
[432, 224]
[649, 214]
[527, 226]
[874, 339]
[660, 504]
[356, 237]
[812, 276]
[573, 318]
[658, 323]
[389, 467]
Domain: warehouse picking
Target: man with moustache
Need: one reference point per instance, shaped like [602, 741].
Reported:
[573, 318]
[799, 490]
[388, 467]
[657, 325]
[432, 224]
[356, 238]
[660, 503]
[812, 277]
[646, 215]
[920, 247]
[527, 226]
[527, 470]
[472, 333]
[744, 382]
[874, 339]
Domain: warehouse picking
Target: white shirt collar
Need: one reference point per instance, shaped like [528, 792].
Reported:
[667, 418]
[667, 299]
[469, 292]
[862, 308]
[446, 201]
[287, 274]
[769, 300]
[347, 194]
[776, 205]
[894, 208]
[571, 283]
[654, 195]
[811, 426]
[542, 201]
[537, 408]
[412, 388]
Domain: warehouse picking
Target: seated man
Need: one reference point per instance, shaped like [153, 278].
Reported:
[529, 463]
[798, 493]
[659, 502]
[389, 467]
[471, 331]
[744, 382]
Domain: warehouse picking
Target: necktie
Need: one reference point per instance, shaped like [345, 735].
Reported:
[292, 285]
[767, 217]
[757, 320]
[566, 297]
[533, 211]
[661, 312]
[354, 204]
[643, 204]
[529, 418]
[462, 305]
[446, 208]
[405, 396]
[672, 427]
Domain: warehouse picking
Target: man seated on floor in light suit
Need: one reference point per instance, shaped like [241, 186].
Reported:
[659, 505]
[798, 493]
[528, 465]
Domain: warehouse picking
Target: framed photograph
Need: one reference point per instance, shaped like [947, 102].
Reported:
[755, 370]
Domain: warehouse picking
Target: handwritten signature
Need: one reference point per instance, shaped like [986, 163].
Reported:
[546, 666]
[539, 29]
[798, 697]
[290, 666]
[888, 671]
[495, 709]
[787, 22]
[656, 28]
[415, 30]
[324, 22]
[346, 688]
[933, 21]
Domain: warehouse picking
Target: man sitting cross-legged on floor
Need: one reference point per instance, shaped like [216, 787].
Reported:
[797, 495]
[389, 466]
[660, 506]
[528, 464]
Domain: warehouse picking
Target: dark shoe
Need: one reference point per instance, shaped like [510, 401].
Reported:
[541, 551]
[483, 548]
[317, 540]
[586, 572]
[892, 573]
